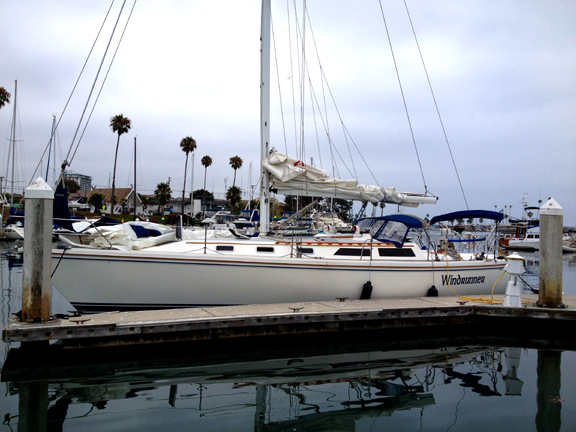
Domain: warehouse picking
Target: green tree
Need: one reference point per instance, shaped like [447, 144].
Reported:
[145, 199]
[71, 186]
[4, 97]
[96, 200]
[236, 163]
[119, 125]
[234, 196]
[206, 162]
[203, 193]
[187, 145]
[293, 202]
[163, 193]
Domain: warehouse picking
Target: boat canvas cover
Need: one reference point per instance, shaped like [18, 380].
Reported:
[395, 228]
[60, 210]
[292, 177]
[468, 214]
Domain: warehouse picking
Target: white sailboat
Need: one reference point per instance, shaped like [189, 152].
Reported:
[214, 271]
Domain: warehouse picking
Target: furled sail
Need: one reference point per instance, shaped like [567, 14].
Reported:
[292, 177]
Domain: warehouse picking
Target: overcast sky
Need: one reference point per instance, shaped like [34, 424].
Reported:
[502, 72]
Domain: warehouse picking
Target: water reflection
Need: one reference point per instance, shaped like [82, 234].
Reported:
[549, 401]
[267, 391]
[443, 384]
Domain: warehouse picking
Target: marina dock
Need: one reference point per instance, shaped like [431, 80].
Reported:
[340, 317]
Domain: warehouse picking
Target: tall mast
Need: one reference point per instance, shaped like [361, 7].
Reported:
[192, 186]
[264, 116]
[251, 195]
[50, 147]
[13, 143]
[134, 178]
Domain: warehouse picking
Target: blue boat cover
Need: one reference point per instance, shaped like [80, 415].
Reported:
[60, 210]
[467, 214]
[15, 217]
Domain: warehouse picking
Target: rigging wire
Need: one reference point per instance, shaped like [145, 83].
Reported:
[436, 105]
[93, 85]
[292, 72]
[347, 133]
[103, 82]
[322, 108]
[315, 124]
[74, 88]
[403, 97]
[325, 81]
[279, 89]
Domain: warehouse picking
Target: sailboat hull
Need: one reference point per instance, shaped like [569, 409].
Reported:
[116, 280]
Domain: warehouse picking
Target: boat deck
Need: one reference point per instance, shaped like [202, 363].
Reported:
[245, 321]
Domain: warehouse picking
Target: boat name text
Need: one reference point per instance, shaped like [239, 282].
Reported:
[459, 280]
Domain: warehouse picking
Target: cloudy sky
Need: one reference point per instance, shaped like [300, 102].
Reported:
[502, 74]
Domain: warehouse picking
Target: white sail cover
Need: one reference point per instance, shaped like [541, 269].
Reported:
[292, 177]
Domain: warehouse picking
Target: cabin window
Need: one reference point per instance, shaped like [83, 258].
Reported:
[307, 251]
[395, 252]
[353, 252]
[224, 248]
[265, 249]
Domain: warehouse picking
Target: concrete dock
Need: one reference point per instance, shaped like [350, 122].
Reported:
[116, 329]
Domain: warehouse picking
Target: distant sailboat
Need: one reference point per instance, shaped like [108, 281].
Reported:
[14, 227]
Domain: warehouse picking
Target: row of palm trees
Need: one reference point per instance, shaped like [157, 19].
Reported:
[233, 194]
[121, 125]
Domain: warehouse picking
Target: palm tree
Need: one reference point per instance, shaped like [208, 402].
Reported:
[119, 125]
[235, 163]
[187, 145]
[4, 97]
[206, 162]
[234, 196]
[163, 193]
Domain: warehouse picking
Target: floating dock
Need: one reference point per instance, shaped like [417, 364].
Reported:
[115, 329]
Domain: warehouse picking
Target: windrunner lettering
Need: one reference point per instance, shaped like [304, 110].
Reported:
[459, 280]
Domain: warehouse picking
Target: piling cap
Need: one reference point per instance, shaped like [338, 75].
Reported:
[515, 256]
[515, 264]
[39, 189]
[551, 207]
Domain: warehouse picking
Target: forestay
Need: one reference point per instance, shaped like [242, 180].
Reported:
[293, 177]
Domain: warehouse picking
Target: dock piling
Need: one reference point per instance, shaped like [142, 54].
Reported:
[36, 280]
[550, 282]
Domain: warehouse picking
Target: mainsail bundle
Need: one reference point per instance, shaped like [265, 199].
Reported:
[293, 177]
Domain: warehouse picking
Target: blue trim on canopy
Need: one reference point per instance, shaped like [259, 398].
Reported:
[467, 214]
[409, 221]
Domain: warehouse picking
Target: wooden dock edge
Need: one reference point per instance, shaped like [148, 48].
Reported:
[330, 318]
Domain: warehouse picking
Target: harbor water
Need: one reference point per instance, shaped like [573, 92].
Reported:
[448, 383]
